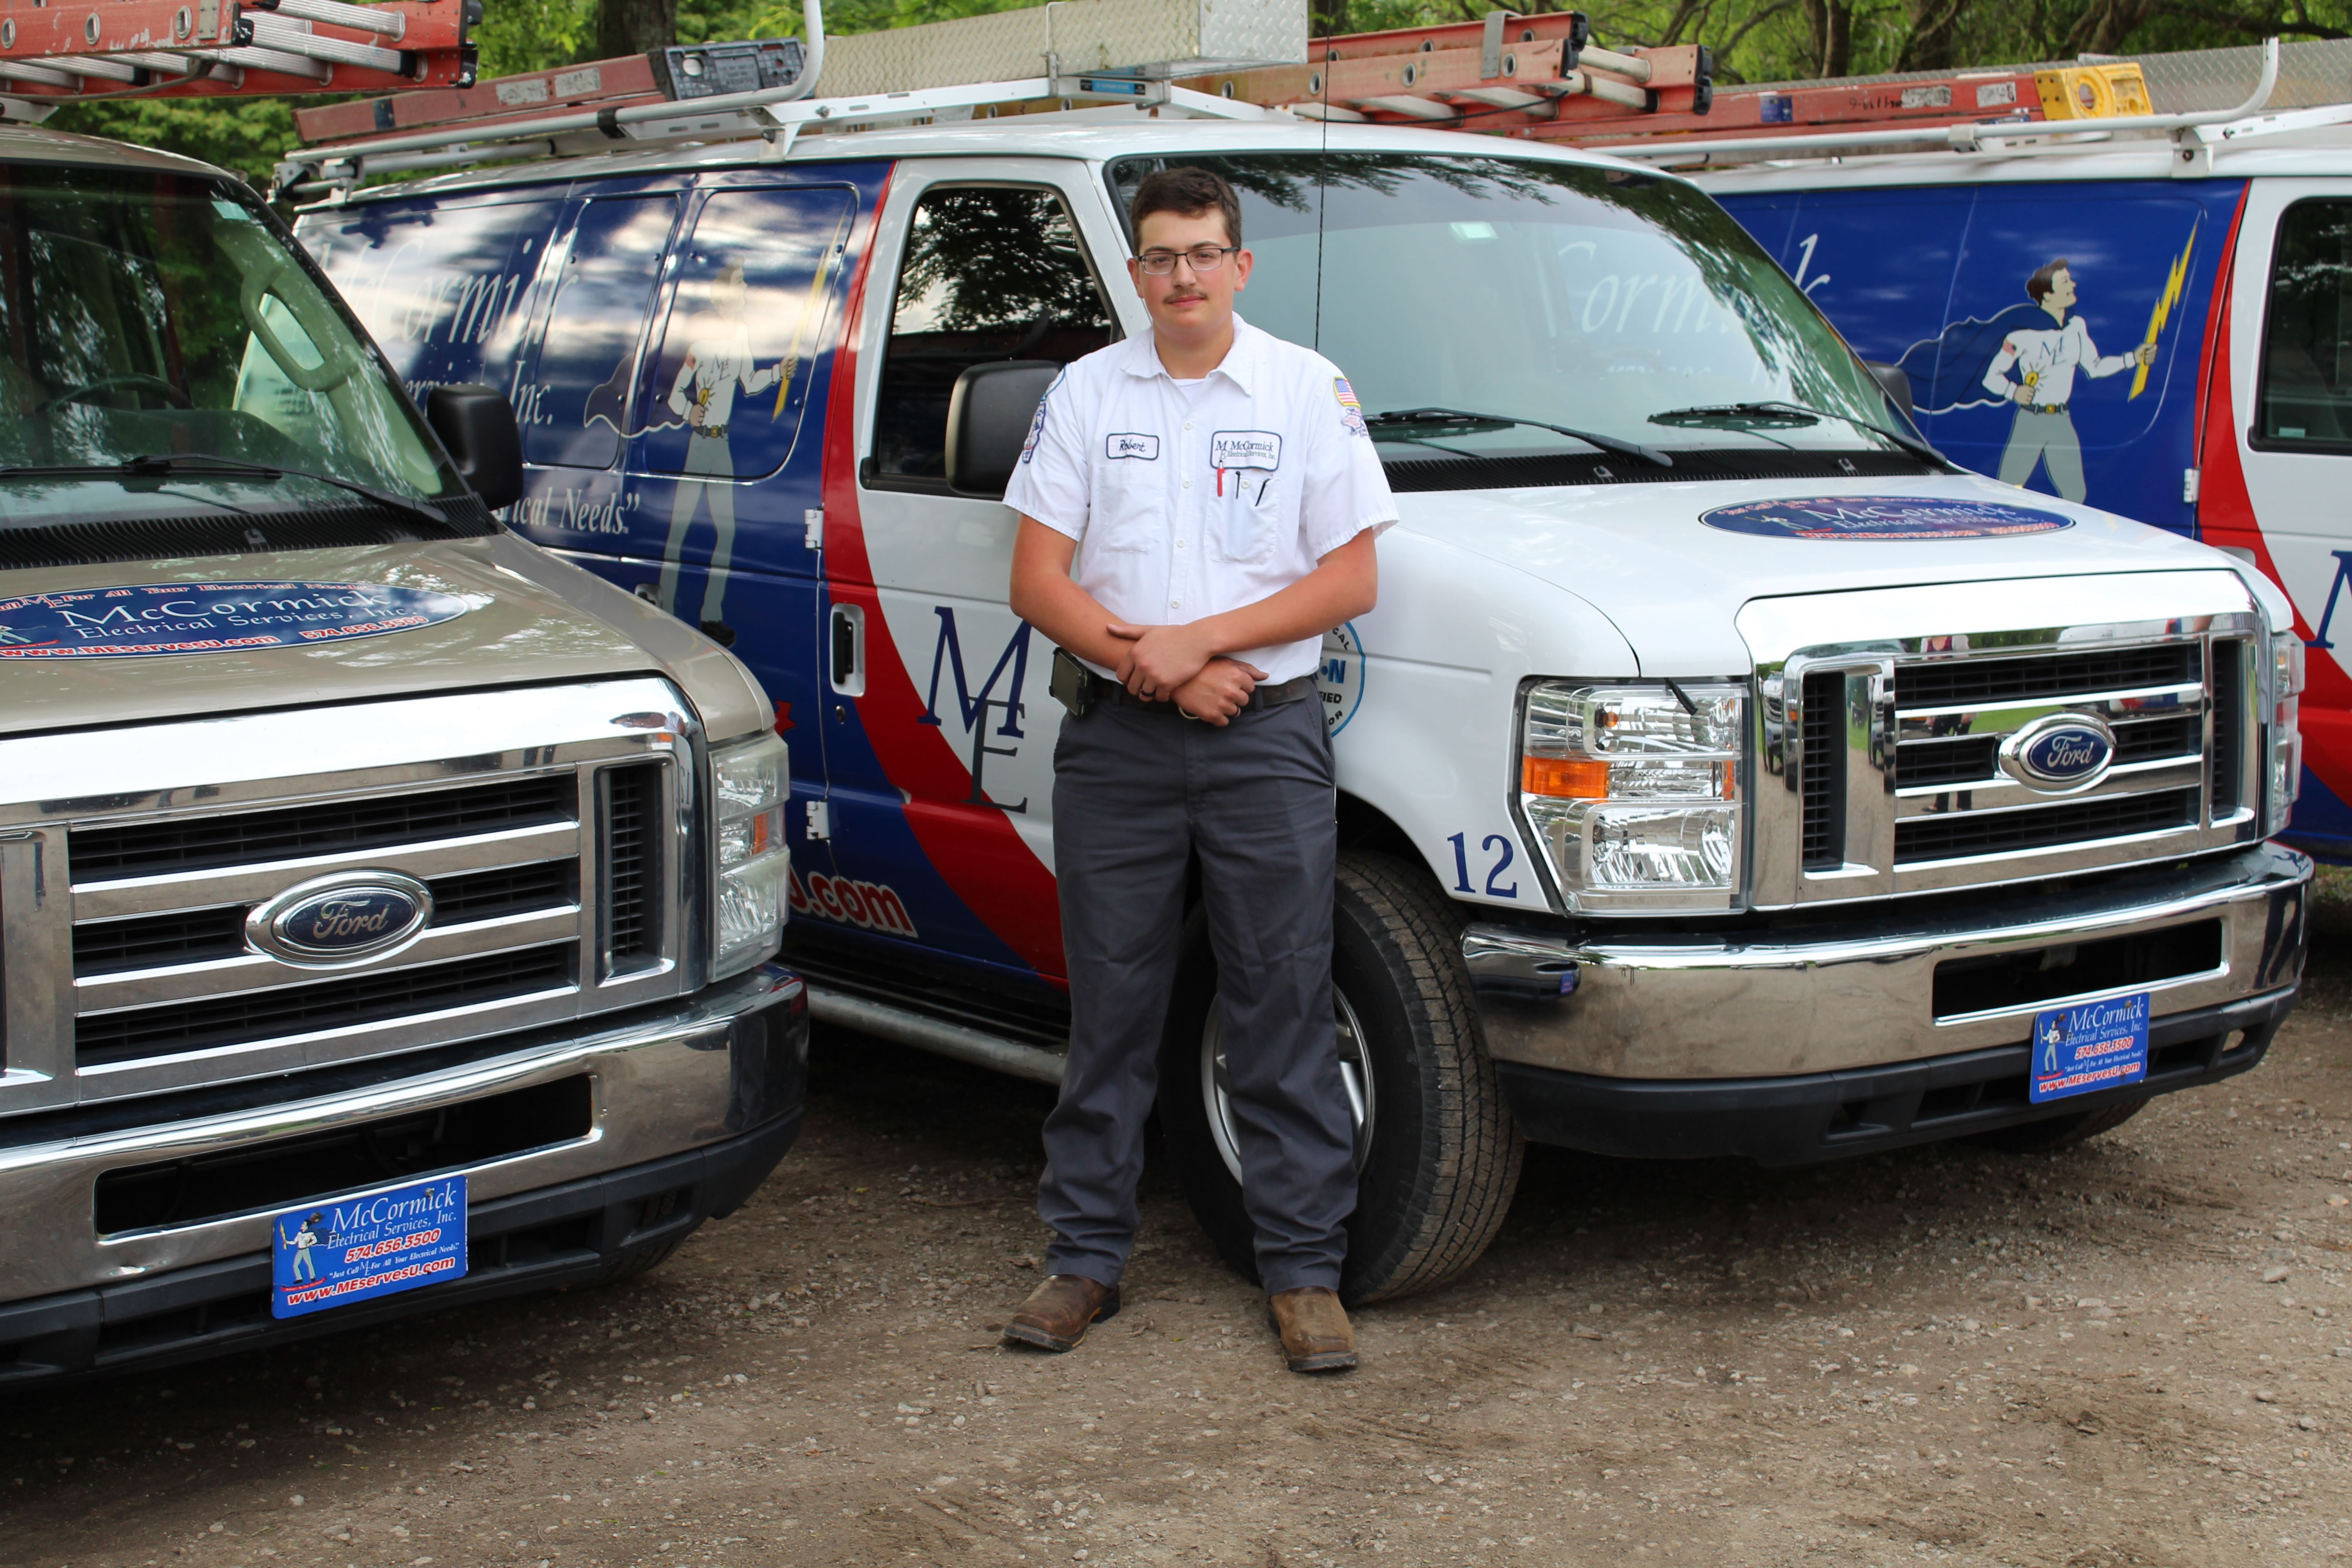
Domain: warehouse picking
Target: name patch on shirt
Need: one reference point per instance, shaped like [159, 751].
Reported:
[1126, 444]
[1245, 449]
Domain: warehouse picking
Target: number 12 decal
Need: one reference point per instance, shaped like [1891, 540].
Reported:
[1462, 864]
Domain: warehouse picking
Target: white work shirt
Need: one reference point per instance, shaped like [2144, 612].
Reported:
[2046, 362]
[1191, 500]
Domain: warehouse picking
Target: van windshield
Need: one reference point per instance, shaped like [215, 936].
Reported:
[161, 322]
[1613, 302]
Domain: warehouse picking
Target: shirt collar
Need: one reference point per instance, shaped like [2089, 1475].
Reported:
[1240, 366]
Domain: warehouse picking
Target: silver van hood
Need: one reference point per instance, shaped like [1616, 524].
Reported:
[530, 618]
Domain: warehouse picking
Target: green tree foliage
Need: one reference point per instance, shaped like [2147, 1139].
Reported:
[1754, 40]
[244, 134]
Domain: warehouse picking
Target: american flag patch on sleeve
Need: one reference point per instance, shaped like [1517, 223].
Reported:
[1351, 413]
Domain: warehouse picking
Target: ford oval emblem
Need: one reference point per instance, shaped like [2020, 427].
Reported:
[2059, 753]
[346, 918]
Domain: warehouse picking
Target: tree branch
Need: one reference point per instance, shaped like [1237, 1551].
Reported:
[2252, 28]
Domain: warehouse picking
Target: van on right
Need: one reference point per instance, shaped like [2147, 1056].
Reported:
[2156, 324]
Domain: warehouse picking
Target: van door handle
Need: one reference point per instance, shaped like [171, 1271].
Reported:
[848, 660]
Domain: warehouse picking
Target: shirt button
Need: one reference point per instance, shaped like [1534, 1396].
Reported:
[1188, 424]
[1179, 544]
[1175, 603]
[1188, 484]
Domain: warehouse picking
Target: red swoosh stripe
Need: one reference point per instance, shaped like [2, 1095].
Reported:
[975, 851]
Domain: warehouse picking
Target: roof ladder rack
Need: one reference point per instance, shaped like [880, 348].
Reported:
[765, 88]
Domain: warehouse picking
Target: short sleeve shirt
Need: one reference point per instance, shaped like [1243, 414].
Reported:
[1189, 500]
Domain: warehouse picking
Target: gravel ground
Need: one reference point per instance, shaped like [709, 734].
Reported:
[2136, 1352]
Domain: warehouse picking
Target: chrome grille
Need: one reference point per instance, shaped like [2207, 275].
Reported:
[146, 849]
[1821, 772]
[124, 896]
[1898, 786]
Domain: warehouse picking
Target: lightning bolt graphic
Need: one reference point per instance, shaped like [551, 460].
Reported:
[2173, 284]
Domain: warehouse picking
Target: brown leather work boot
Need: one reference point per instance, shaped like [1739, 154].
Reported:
[1315, 1335]
[1057, 1314]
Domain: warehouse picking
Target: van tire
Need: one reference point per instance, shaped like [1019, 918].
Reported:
[2056, 1132]
[1442, 1161]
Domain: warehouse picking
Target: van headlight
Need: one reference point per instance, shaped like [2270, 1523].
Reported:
[2286, 731]
[1633, 792]
[751, 780]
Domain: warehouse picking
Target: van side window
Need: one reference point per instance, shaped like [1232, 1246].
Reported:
[444, 290]
[2306, 387]
[588, 360]
[744, 327]
[991, 273]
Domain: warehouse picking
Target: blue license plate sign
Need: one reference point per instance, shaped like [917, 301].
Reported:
[341, 1250]
[2090, 1046]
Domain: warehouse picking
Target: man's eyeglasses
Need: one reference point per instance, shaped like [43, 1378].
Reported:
[1202, 257]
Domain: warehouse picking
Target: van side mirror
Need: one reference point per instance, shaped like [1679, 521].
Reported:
[1896, 382]
[988, 416]
[478, 424]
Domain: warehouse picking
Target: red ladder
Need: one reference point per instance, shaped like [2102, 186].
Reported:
[66, 51]
[1541, 77]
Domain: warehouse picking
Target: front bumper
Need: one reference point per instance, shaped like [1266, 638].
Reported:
[685, 1109]
[1750, 1016]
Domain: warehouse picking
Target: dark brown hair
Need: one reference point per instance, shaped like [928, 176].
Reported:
[2044, 278]
[1186, 191]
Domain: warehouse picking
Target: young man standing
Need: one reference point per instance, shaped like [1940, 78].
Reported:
[1198, 507]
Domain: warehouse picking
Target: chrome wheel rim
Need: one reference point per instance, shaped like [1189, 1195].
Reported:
[1355, 1074]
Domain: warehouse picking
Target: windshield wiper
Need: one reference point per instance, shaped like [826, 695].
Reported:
[1616, 444]
[177, 464]
[1903, 438]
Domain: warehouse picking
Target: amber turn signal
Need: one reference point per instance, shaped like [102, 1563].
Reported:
[1565, 778]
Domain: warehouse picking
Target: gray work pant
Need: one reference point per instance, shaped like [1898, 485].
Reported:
[2044, 438]
[704, 455]
[1137, 795]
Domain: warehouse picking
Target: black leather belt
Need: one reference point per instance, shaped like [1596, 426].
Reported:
[1110, 691]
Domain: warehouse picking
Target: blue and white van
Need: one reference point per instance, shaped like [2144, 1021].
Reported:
[2229, 263]
[1722, 772]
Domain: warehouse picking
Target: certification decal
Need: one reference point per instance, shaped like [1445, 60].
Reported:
[1883, 518]
[1339, 679]
[212, 617]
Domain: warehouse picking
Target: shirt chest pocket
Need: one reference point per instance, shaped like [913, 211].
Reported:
[1246, 522]
[1129, 507]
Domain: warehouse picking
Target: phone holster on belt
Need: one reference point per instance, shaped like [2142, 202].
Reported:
[1073, 685]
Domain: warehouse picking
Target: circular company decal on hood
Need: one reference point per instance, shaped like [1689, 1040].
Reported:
[211, 617]
[1883, 517]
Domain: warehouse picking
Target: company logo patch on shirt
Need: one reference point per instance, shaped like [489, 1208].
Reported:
[1351, 413]
[1245, 449]
[1037, 422]
[1128, 444]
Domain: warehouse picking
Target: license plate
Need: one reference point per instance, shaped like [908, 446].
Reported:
[341, 1250]
[2090, 1046]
